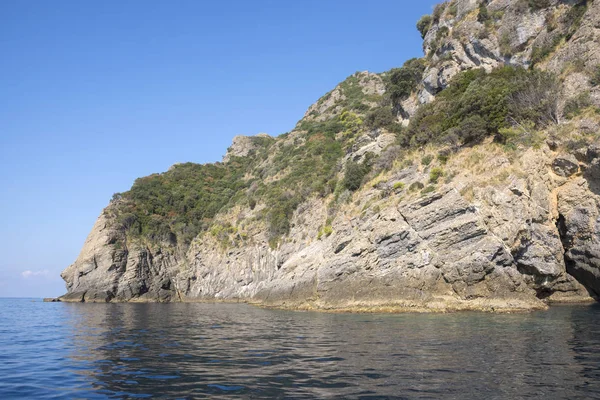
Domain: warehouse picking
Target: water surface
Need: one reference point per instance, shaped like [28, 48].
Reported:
[97, 351]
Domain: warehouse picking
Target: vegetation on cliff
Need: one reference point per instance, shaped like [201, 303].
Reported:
[174, 207]
[477, 104]
[320, 157]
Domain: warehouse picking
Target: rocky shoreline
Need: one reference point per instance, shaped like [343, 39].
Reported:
[485, 227]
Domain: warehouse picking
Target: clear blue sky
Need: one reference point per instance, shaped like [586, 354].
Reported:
[97, 93]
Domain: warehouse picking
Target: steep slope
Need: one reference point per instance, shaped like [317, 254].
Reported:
[434, 186]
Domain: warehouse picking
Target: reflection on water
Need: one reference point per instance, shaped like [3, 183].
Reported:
[225, 350]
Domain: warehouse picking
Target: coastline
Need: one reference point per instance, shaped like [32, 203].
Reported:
[439, 306]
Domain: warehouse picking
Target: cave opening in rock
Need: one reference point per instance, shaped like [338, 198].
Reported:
[561, 225]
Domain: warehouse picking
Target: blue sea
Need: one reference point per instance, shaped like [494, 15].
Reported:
[190, 351]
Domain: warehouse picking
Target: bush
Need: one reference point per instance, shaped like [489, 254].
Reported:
[541, 52]
[424, 25]
[575, 105]
[252, 203]
[473, 129]
[415, 186]
[401, 82]
[505, 45]
[523, 135]
[453, 10]
[595, 78]
[435, 174]
[535, 5]
[177, 205]
[428, 189]
[398, 186]
[381, 117]
[483, 16]
[438, 11]
[116, 197]
[326, 231]
[427, 159]
[444, 155]
[574, 17]
[355, 174]
[442, 33]
[476, 105]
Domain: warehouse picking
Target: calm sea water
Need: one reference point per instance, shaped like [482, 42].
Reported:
[96, 351]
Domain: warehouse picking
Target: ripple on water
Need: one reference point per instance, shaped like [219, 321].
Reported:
[224, 350]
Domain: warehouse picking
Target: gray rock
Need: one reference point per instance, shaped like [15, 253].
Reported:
[242, 146]
[565, 165]
[504, 246]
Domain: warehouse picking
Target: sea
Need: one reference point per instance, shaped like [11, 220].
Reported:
[194, 351]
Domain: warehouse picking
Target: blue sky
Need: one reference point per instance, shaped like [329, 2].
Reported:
[97, 93]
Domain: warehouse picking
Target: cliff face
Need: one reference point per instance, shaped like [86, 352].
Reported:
[556, 35]
[486, 227]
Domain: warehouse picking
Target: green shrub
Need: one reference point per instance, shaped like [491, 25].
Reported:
[575, 105]
[522, 135]
[177, 205]
[438, 11]
[595, 78]
[535, 5]
[415, 186]
[443, 156]
[398, 186]
[443, 32]
[116, 197]
[252, 203]
[452, 10]
[427, 159]
[483, 16]
[541, 52]
[326, 231]
[476, 105]
[401, 82]
[435, 174]
[574, 17]
[428, 189]
[505, 45]
[473, 129]
[424, 25]
[382, 117]
[355, 173]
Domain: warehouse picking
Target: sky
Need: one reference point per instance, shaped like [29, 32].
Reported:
[95, 94]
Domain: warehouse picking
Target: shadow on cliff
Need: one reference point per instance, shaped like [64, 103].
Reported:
[584, 276]
[592, 176]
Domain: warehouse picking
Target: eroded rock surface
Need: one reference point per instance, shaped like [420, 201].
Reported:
[504, 234]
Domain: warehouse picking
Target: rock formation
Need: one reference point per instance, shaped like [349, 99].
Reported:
[494, 229]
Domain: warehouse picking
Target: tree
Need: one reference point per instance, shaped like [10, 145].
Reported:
[424, 25]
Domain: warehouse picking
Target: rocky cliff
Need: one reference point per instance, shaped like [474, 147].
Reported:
[351, 210]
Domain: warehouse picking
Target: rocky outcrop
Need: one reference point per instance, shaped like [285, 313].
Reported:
[110, 269]
[509, 247]
[499, 231]
[370, 85]
[243, 146]
[514, 33]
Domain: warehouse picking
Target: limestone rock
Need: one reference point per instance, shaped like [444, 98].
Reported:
[505, 235]
[565, 165]
[242, 146]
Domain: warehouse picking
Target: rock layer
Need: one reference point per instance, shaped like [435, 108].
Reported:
[499, 234]
[509, 247]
